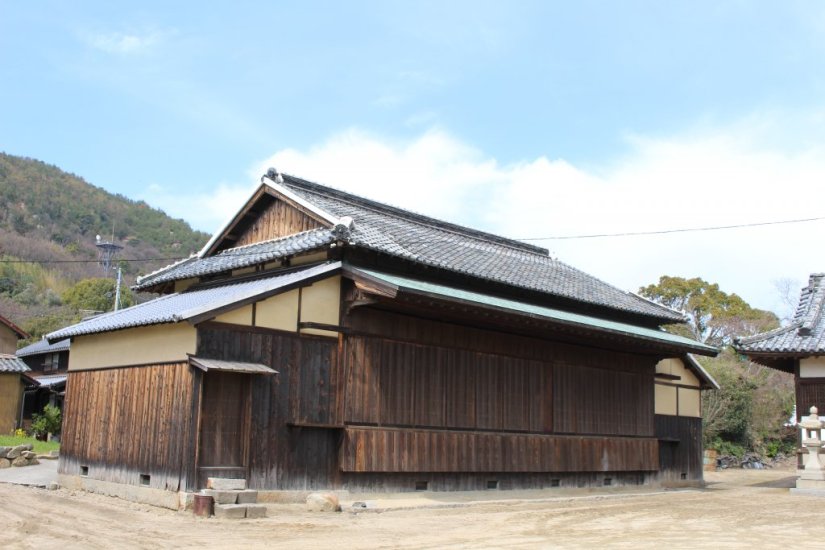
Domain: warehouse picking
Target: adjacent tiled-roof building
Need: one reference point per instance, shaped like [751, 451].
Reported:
[803, 337]
[798, 348]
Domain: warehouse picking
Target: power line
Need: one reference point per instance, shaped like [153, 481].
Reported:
[666, 231]
[566, 237]
[4, 261]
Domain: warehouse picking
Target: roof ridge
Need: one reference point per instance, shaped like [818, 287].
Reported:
[813, 314]
[182, 261]
[270, 241]
[415, 217]
[769, 334]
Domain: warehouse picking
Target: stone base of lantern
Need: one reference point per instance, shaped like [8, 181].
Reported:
[810, 483]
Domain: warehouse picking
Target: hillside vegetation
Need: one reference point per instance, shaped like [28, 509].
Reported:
[52, 217]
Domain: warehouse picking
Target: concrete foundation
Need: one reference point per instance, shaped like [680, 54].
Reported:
[145, 495]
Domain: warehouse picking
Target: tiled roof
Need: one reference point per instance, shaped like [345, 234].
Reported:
[43, 346]
[11, 363]
[240, 257]
[451, 247]
[805, 335]
[193, 303]
[51, 379]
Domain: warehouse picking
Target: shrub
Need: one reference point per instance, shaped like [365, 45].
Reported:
[46, 423]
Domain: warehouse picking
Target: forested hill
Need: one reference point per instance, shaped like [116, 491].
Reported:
[48, 214]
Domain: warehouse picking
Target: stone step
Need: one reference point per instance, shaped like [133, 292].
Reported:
[246, 496]
[240, 511]
[225, 484]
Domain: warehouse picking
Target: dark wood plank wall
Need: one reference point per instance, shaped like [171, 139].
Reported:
[810, 392]
[391, 383]
[589, 400]
[411, 450]
[278, 220]
[127, 422]
[467, 390]
[463, 377]
[290, 443]
[680, 447]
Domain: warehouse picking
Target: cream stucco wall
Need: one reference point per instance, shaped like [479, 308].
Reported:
[8, 340]
[665, 399]
[240, 316]
[690, 403]
[320, 303]
[183, 284]
[279, 312]
[812, 367]
[676, 367]
[135, 346]
[11, 390]
[309, 258]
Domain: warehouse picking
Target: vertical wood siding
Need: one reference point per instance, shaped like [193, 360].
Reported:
[680, 447]
[125, 422]
[278, 220]
[810, 393]
[392, 383]
[287, 448]
[403, 450]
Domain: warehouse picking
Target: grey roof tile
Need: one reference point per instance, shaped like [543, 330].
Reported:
[43, 346]
[452, 247]
[239, 257]
[192, 303]
[806, 333]
[11, 363]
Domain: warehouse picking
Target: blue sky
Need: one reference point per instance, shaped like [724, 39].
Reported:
[525, 118]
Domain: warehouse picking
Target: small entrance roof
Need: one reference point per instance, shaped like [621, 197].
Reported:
[207, 365]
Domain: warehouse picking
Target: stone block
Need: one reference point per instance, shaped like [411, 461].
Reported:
[5, 463]
[322, 502]
[20, 461]
[33, 462]
[4, 451]
[28, 455]
[53, 486]
[222, 497]
[225, 484]
[15, 452]
[255, 511]
[248, 496]
[230, 511]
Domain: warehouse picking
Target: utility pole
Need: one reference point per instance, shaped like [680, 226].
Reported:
[117, 290]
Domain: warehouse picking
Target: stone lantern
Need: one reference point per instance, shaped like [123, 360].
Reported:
[812, 475]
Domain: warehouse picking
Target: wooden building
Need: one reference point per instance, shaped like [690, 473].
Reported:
[49, 364]
[9, 335]
[13, 376]
[325, 341]
[798, 348]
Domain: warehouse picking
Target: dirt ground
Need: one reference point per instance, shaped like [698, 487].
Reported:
[739, 508]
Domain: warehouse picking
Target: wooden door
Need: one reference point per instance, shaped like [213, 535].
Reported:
[224, 433]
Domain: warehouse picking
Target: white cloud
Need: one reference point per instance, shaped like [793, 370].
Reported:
[123, 43]
[713, 178]
[204, 211]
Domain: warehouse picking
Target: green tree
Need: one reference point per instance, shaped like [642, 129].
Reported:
[714, 316]
[96, 294]
[753, 402]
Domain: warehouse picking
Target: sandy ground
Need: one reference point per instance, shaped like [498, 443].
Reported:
[739, 508]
